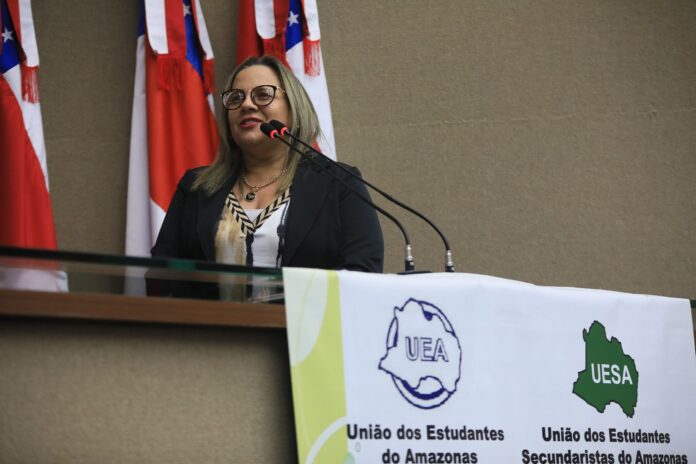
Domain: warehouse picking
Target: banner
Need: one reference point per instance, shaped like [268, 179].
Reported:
[460, 368]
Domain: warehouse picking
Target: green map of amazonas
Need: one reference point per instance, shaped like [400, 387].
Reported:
[610, 375]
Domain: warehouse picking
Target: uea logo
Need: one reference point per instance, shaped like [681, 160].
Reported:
[423, 354]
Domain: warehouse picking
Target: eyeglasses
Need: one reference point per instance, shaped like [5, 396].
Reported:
[262, 95]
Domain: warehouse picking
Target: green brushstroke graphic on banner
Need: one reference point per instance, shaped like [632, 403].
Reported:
[316, 353]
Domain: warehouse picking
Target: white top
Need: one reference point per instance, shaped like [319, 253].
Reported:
[266, 238]
[258, 231]
[230, 241]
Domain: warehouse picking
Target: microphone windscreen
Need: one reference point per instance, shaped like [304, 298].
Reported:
[279, 125]
[267, 129]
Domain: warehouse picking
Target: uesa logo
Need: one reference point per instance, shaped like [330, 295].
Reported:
[610, 374]
[423, 354]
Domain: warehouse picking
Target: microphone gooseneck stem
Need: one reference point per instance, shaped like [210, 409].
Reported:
[449, 264]
[409, 265]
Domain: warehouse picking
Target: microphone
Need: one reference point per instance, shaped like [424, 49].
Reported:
[274, 134]
[282, 129]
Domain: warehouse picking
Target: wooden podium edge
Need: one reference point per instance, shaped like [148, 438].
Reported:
[93, 306]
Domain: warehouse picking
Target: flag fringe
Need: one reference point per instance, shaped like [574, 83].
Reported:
[30, 83]
[169, 72]
[312, 54]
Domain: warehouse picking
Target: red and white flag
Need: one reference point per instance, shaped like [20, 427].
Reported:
[289, 30]
[26, 216]
[173, 124]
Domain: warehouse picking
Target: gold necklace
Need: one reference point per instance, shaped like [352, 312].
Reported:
[255, 188]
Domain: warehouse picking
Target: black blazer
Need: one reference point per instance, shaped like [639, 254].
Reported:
[328, 226]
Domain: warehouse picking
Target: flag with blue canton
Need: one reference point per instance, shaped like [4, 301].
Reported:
[289, 30]
[26, 215]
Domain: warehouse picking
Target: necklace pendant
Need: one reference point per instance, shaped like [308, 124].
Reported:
[250, 196]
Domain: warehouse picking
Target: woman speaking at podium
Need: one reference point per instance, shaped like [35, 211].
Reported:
[259, 204]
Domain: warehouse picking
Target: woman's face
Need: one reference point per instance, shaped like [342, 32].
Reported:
[246, 120]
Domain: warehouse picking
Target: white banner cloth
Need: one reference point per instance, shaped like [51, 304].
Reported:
[469, 368]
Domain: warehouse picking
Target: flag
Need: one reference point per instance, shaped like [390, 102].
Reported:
[289, 30]
[173, 123]
[26, 216]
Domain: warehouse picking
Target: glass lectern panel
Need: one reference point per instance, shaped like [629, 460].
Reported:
[76, 272]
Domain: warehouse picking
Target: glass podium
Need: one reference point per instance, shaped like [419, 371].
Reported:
[50, 283]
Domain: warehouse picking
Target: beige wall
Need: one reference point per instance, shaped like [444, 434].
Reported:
[96, 392]
[554, 142]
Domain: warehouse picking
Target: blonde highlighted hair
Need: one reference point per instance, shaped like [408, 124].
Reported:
[303, 124]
